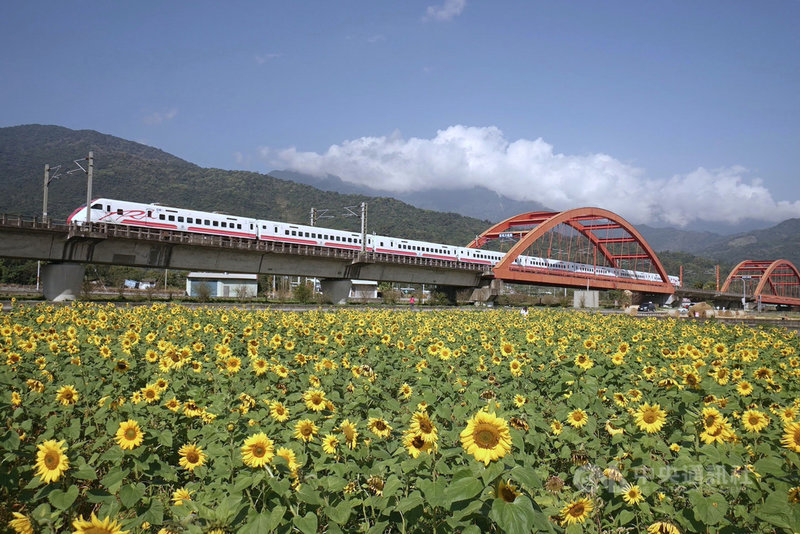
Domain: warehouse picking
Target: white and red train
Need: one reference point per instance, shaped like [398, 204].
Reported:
[157, 216]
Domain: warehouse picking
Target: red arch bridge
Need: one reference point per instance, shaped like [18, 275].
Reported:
[588, 248]
[766, 282]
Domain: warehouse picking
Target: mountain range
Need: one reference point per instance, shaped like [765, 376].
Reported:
[133, 171]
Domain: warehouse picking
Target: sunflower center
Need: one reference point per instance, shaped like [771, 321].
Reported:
[486, 438]
[425, 426]
[380, 425]
[507, 494]
[259, 451]
[418, 442]
[576, 510]
[51, 459]
[130, 433]
[193, 457]
[649, 418]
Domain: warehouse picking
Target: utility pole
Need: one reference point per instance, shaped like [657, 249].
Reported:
[89, 188]
[313, 217]
[44, 199]
[364, 227]
[88, 171]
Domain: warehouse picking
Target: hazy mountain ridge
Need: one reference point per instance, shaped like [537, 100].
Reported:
[478, 202]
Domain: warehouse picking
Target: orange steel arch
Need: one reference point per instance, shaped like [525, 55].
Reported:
[778, 280]
[543, 222]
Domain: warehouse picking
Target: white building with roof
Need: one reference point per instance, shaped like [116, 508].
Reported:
[238, 285]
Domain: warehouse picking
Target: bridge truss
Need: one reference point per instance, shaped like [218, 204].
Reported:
[591, 247]
[771, 282]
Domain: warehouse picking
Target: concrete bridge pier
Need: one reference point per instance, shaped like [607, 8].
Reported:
[62, 281]
[487, 293]
[336, 291]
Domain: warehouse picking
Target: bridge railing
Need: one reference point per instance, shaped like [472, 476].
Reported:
[103, 230]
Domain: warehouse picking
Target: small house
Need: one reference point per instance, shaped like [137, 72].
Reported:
[237, 285]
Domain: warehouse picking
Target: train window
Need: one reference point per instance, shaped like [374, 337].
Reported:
[294, 232]
[349, 239]
[286, 232]
[224, 224]
[276, 229]
[189, 220]
[161, 216]
[207, 222]
[100, 206]
[171, 217]
[119, 211]
[180, 219]
[239, 226]
[214, 223]
[149, 214]
[381, 243]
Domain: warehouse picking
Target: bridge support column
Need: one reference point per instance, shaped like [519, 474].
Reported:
[586, 299]
[62, 281]
[487, 293]
[336, 291]
[450, 292]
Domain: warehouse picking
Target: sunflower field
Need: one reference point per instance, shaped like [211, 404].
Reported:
[168, 419]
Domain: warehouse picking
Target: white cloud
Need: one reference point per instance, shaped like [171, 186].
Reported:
[263, 58]
[448, 11]
[462, 156]
[160, 117]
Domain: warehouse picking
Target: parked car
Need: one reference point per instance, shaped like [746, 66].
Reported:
[647, 307]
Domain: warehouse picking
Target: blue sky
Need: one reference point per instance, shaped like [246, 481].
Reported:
[668, 112]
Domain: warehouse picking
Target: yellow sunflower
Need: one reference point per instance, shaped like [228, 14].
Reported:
[350, 433]
[315, 400]
[21, 524]
[661, 527]
[556, 427]
[67, 395]
[94, 526]
[754, 421]
[290, 457]
[415, 445]
[577, 418]
[650, 418]
[305, 429]
[744, 388]
[51, 462]
[576, 511]
[791, 437]
[257, 450]
[191, 456]
[406, 391]
[129, 435]
[278, 411]
[330, 444]
[379, 427]
[180, 495]
[422, 425]
[631, 494]
[486, 437]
